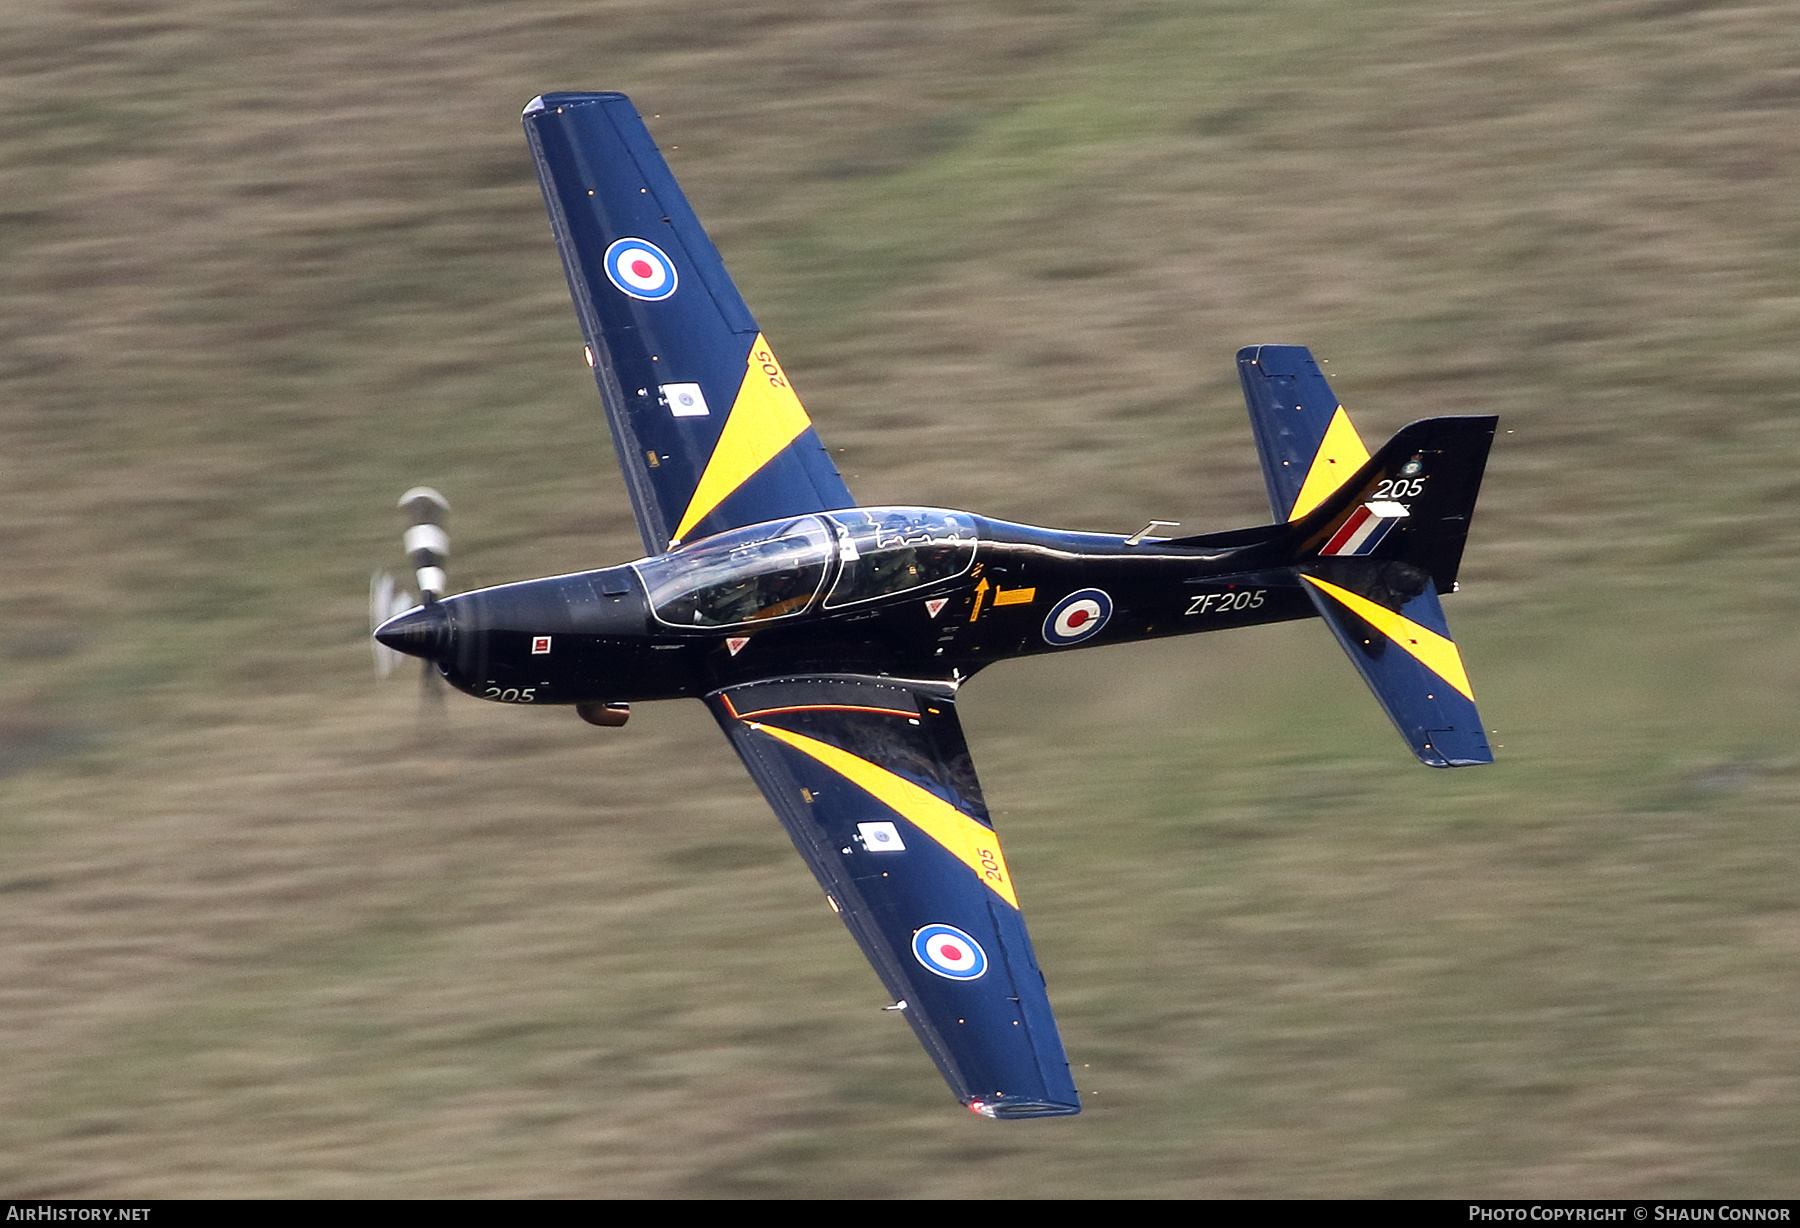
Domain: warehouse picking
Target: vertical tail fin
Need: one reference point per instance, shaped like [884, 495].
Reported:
[1410, 503]
[1376, 541]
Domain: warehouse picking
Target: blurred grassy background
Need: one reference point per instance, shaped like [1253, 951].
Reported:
[263, 266]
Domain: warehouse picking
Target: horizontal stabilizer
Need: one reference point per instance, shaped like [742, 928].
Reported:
[1387, 617]
[1304, 437]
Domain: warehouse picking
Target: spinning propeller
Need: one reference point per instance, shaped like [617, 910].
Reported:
[386, 599]
[427, 549]
[400, 628]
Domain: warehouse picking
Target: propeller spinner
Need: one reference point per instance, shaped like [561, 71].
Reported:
[401, 628]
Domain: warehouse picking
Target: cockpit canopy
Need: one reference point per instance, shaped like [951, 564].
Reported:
[773, 570]
[745, 575]
[891, 549]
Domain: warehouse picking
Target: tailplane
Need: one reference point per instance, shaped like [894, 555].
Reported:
[1388, 619]
[1376, 540]
[1307, 444]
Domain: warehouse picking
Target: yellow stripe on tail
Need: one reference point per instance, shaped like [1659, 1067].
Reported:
[1433, 651]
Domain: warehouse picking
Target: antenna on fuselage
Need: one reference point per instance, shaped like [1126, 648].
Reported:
[1137, 539]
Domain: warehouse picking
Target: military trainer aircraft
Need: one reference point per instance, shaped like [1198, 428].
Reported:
[830, 640]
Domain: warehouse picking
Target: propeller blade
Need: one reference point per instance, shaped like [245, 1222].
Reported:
[431, 699]
[386, 599]
[427, 544]
[427, 549]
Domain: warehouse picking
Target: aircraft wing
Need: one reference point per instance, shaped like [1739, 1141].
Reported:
[872, 779]
[709, 431]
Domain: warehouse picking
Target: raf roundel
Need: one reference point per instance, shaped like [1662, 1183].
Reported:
[950, 953]
[1077, 617]
[641, 269]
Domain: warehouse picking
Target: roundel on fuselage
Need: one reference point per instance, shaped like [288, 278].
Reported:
[1077, 617]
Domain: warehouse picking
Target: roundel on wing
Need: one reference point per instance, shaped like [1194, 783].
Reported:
[641, 269]
[950, 953]
[1077, 617]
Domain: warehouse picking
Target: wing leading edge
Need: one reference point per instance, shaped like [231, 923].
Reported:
[709, 431]
[872, 779]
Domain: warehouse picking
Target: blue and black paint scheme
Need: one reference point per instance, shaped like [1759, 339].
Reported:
[938, 918]
[604, 182]
[830, 640]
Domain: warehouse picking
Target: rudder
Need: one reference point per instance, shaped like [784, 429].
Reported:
[1374, 557]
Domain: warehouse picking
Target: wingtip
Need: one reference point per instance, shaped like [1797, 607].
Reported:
[569, 98]
[1449, 748]
[1007, 1108]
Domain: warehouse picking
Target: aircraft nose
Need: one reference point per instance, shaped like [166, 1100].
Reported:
[420, 632]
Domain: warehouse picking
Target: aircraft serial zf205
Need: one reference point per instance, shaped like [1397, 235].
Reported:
[830, 640]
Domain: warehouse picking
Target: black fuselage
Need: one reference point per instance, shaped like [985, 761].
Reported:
[597, 636]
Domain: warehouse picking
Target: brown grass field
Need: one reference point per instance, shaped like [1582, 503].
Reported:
[262, 266]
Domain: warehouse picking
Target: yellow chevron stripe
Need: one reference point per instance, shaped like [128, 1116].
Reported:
[1341, 453]
[968, 841]
[1434, 652]
[765, 418]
